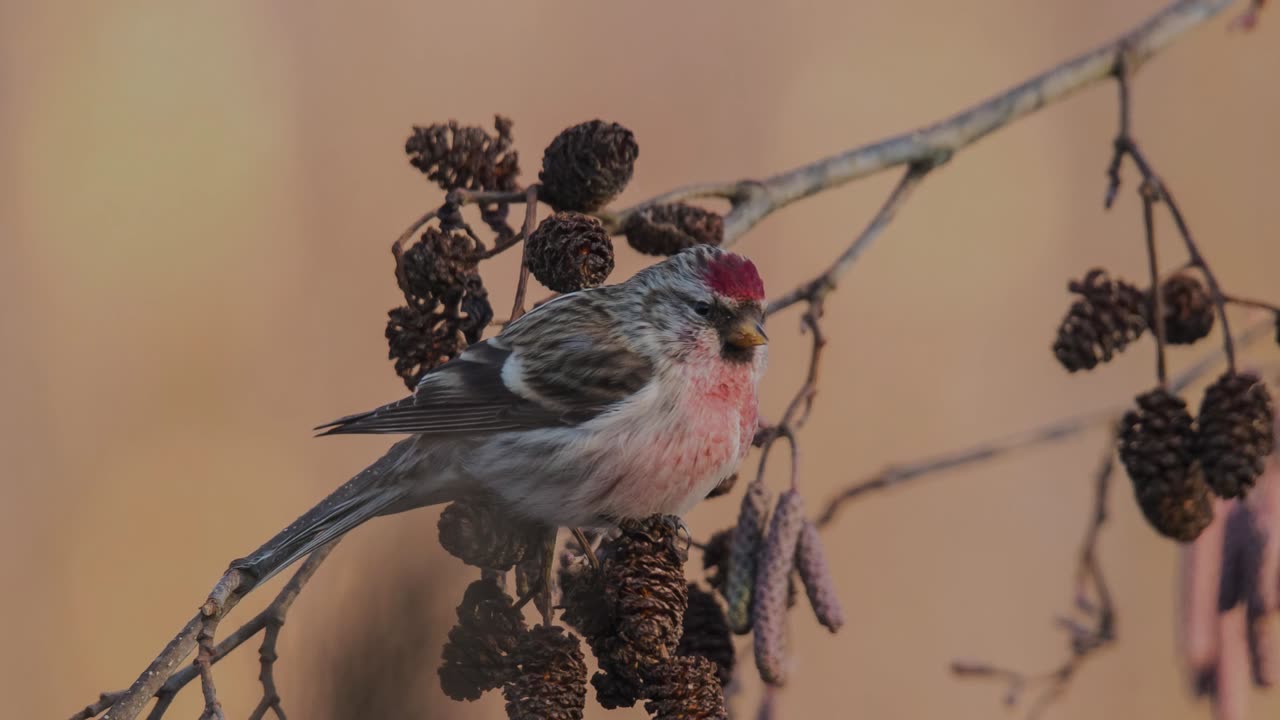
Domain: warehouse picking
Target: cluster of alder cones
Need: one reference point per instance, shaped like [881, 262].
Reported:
[1176, 462]
[657, 638]
[584, 167]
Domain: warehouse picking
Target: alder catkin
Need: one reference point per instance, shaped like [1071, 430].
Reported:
[815, 573]
[744, 548]
[773, 577]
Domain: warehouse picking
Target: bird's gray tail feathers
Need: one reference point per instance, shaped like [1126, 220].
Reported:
[370, 493]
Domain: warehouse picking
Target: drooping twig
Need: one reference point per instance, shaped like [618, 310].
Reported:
[530, 220]
[1092, 598]
[1154, 190]
[1054, 431]
[752, 201]
[1157, 295]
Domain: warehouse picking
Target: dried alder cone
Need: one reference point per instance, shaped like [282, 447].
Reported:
[1157, 447]
[479, 533]
[549, 680]
[1188, 310]
[1236, 433]
[587, 165]
[635, 614]
[447, 306]
[686, 688]
[569, 251]
[1109, 315]
[706, 633]
[667, 229]
[465, 157]
[477, 656]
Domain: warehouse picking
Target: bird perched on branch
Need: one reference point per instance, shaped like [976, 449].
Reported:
[606, 404]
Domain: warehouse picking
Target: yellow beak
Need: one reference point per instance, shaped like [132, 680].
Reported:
[747, 333]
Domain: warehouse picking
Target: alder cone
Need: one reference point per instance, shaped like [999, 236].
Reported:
[1157, 448]
[569, 251]
[587, 165]
[1236, 433]
[667, 229]
[1188, 310]
[550, 682]
[1108, 316]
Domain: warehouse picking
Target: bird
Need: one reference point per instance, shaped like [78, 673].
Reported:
[600, 406]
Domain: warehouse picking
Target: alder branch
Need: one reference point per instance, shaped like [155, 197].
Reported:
[1057, 430]
[164, 685]
[753, 200]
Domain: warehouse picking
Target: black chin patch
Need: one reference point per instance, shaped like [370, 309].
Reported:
[736, 354]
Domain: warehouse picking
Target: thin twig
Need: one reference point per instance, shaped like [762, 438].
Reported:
[1154, 190]
[1247, 302]
[92, 710]
[530, 219]
[826, 281]
[204, 663]
[1054, 431]
[753, 201]
[1149, 197]
[1085, 640]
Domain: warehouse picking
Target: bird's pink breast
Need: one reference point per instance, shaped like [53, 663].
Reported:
[701, 442]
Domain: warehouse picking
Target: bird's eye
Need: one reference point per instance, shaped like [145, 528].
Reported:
[702, 308]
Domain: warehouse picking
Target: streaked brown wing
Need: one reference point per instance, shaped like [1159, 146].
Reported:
[548, 369]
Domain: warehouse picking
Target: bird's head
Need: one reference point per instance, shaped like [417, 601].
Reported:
[706, 299]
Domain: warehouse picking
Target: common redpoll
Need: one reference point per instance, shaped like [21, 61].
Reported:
[617, 402]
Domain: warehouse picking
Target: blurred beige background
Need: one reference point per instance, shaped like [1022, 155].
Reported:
[198, 200]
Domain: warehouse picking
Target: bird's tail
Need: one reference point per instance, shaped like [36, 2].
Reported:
[368, 494]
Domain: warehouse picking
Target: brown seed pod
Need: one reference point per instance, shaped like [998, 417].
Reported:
[667, 229]
[769, 610]
[465, 157]
[477, 654]
[815, 574]
[447, 306]
[1188, 310]
[1236, 433]
[1109, 315]
[1157, 441]
[550, 679]
[587, 165]
[706, 632]
[569, 251]
[479, 533]
[686, 688]
[744, 550]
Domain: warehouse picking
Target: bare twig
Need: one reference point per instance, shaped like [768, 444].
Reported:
[1086, 640]
[92, 710]
[1149, 196]
[1054, 431]
[530, 219]
[824, 283]
[1154, 190]
[165, 685]
[204, 662]
[753, 201]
